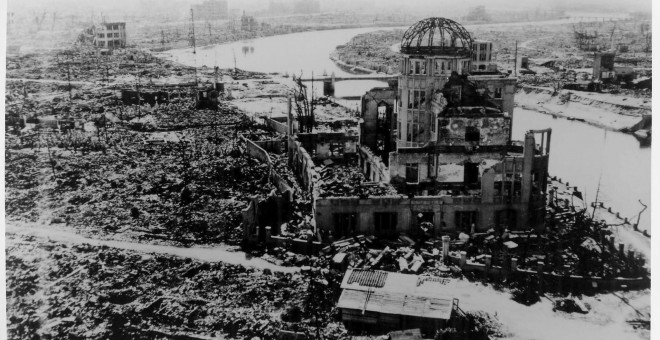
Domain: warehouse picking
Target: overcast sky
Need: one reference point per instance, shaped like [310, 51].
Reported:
[134, 5]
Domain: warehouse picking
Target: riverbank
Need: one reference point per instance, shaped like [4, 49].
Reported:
[604, 111]
[221, 35]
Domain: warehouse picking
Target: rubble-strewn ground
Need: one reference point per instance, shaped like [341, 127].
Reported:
[192, 188]
[174, 176]
[57, 290]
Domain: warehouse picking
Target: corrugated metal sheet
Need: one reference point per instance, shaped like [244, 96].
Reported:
[396, 304]
[367, 278]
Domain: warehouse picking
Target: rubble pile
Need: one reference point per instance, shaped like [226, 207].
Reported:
[21, 186]
[239, 74]
[477, 325]
[572, 244]
[86, 63]
[568, 247]
[186, 186]
[90, 292]
[165, 172]
[346, 180]
[402, 254]
[178, 114]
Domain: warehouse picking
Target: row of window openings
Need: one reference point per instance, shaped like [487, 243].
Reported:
[504, 188]
[470, 173]
[386, 222]
[417, 98]
[483, 52]
[110, 35]
[416, 130]
[111, 43]
[482, 56]
[418, 67]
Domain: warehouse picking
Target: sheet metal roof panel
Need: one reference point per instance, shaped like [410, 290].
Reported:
[397, 283]
[396, 304]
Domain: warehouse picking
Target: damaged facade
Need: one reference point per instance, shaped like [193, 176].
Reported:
[211, 10]
[110, 35]
[434, 153]
[444, 136]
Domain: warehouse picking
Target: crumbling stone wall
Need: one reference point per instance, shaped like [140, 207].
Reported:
[444, 209]
[277, 126]
[373, 167]
[492, 130]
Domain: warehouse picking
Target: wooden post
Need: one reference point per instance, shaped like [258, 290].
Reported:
[445, 248]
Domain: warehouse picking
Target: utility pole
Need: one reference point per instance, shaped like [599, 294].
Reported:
[68, 61]
[68, 78]
[233, 51]
[593, 213]
[192, 24]
[515, 61]
[137, 88]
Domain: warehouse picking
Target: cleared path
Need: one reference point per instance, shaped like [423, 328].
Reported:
[207, 254]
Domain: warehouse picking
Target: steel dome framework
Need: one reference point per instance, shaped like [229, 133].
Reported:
[437, 36]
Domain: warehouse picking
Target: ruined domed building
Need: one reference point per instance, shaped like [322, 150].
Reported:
[442, 139]
[453, 132]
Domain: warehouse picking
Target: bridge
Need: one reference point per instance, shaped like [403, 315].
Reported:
[382, 77]
[587, 19]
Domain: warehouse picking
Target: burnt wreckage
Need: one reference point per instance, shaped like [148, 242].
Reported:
[442, 138]
[434, 151]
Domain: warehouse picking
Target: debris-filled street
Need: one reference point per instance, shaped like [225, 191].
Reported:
[297, 170]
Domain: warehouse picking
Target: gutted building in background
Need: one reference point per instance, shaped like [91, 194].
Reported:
[110, 35]
[306, 6]
[211, 10]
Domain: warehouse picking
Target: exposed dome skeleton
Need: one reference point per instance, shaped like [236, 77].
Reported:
[433, 35]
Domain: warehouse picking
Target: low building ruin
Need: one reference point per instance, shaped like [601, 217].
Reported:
[383, 301]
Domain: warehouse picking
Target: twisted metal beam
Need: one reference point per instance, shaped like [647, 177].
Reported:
[422, 37]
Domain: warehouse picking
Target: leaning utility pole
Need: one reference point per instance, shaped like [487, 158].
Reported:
[593, 213]
[639, 216]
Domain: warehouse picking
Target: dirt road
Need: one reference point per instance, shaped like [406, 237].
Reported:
[214, 254]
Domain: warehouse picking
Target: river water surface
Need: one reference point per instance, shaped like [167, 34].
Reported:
[580, 154]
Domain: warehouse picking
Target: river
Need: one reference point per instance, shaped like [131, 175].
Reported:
[581, 154]
[297, 54]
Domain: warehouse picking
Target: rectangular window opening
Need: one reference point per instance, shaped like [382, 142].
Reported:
[412, 173]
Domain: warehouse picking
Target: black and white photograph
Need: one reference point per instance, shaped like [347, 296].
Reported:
[327, 169]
